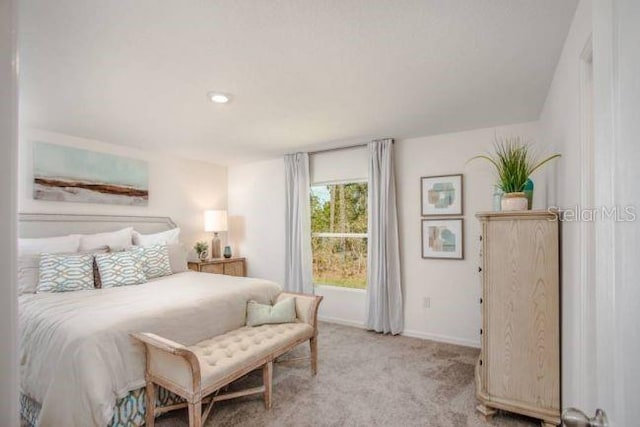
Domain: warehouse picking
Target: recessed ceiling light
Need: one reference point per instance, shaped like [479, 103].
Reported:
[219, 98]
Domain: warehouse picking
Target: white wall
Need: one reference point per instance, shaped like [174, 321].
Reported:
[178, 188]
[561, 124]
[256, 201]
[8, 160]
[256, 217]
[453, 286]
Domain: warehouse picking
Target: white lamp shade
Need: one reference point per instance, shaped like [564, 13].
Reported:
[215, 221]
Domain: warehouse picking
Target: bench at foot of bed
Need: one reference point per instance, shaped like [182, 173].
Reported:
[198, 372]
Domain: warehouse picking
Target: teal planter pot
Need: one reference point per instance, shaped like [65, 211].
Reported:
[528, 191]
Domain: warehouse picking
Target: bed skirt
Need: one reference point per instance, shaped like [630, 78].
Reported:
[130, 410]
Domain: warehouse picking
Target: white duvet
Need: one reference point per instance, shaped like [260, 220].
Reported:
[76, 356]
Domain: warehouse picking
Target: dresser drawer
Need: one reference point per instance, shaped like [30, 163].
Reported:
[213, 268]
[229, 267]
[235, 268]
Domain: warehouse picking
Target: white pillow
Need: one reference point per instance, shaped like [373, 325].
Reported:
[28, 273]
[168, 237]
[113, 239]
[68, 244]
[177, 258]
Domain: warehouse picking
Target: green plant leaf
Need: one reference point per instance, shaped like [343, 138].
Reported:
[514, 163]
[541, 163]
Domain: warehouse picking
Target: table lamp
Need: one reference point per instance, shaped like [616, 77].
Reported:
[215, 221]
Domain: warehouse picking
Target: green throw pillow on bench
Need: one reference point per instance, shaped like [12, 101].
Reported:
[261, 314]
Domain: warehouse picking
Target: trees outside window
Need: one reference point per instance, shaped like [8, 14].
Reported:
[339, 234]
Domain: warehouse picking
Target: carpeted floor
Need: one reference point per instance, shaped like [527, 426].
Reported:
[364, 379]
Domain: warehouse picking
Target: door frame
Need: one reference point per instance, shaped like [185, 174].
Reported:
[607, 376]
[587, 360]
[9, 381]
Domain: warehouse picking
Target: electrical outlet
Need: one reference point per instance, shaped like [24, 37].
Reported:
[426, 302]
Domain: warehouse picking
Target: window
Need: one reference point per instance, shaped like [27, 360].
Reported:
[339, 234]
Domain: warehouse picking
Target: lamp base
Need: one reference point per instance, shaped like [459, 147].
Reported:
[215, 247]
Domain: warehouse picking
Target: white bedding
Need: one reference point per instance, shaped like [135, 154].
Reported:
[76, 356]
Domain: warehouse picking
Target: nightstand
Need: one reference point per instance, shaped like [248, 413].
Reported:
[228, 266]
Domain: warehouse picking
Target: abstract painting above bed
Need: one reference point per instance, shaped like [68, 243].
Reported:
[67, 174]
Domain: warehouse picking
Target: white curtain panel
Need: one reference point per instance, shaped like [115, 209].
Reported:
[298, 268]
[384, 289]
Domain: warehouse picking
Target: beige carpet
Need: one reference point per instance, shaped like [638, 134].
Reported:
[364, 379]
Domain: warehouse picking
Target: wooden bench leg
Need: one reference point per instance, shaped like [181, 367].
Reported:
[195, 414]
[313, 345]
[267, 379]
[150, 392]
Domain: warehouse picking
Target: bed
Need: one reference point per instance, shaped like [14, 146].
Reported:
[79, 366]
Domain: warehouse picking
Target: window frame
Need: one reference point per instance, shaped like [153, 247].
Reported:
[341, 235]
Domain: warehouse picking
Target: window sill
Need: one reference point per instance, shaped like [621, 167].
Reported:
[341, 288]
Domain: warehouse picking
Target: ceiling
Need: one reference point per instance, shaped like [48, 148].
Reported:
[304, 74]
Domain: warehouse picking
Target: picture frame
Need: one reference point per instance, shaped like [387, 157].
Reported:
[441, 195]
[443, 238]
[67, 174]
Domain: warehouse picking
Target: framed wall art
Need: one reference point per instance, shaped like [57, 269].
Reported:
[441, 195]
[443, 238]
[67, 174]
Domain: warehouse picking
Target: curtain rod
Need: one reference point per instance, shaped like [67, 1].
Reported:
[329, 150]
[347, 147]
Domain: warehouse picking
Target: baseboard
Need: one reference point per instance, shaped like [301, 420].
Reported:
[407, 333]
[340, 321]
[442, 338]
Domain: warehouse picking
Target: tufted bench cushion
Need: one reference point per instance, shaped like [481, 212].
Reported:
[198, 372]
[224, 354]
[221, 355]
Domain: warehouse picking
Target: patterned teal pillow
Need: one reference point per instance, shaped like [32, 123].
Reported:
[120, 269]
[155, 261]
[62, 273]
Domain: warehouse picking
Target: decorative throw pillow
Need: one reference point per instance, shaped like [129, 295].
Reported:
[155, 261]
[168, 237]
[119, 239]
[281, 312]
[61, 273]
[120, 269]
[29, 271]
[97, 283]
[178, 258]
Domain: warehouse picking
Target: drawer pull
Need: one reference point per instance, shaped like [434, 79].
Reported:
[479, 269]
[480, 300]
[480, 331]
[480, 362]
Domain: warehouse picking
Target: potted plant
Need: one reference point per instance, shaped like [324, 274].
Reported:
[202, 249]
[514, 162]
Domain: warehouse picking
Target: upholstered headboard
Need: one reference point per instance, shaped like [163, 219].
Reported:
[50, 225]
